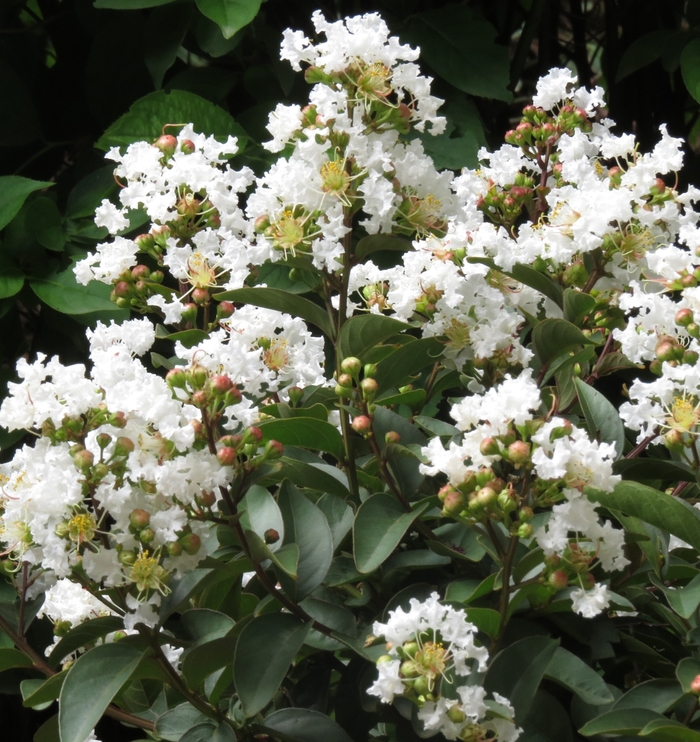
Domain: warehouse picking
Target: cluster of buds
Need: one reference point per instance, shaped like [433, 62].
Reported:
[243, 450]
[116, 463]
[539, 130]
[570, 569]
[356, 379]
[134, 287]
[504, 205]
[670, 350]
[687, 280]
[211, 393]
[73, 429]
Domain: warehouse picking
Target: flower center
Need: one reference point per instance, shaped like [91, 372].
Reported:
[81, 527]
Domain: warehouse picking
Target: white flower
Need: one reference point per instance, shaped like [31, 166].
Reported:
[590, 603]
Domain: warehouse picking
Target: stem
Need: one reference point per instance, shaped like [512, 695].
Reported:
[691, 712]
[23, 597]
[506, 589]
[639, 448]
[431, 379]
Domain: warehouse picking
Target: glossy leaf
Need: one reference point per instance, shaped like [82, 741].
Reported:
[305, 725]
[363, 332]
[553, 337]
[531, 657]
[10, 657]
[305, 526]
[145, 119]
[265, 650]
[573, 673]
[669, 731]
[130, 4]
[603, 420]
[97, 675]
[643, 51]
[14, 190]
[690, 67]
[407, 360]
[339, 516]
[46, 691]
[282, 301]
[175, 723]
[82, 634]
[669, 513]
[320, 477]
[64, 294]
[305, 432]
[622, 721]
[262, 513]
[379, 525]
[376, 242]
[688, 669]
[11, 278]
[230, 15]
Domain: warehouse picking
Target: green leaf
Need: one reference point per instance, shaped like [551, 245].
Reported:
[199, 732]
[230, 15]
[64, 294]
[130, 4]
[362, 333]
[285, 558]
[165, 29]
[644, 51]
[282, 301]
[577, 305]
[339, 516]
[573, 673]
[266, 648]
[146, 118]
[305, 725]
[48, 731]
[623, 721]
[669, 731]
[13, 193]
[83, 634]
[531, 656]
[379, 525]
[306, 526]
[97, 675]
[654, 469]
[554, 337]
[661, 510]
[305, 432]
[396, 368]
[11, 278]
[603, 421]
[690, 67]
[688, 669]
[175, 723]
[459, 44]
[538, 281]
[204, 659]
[683, 600]
[335, 617]
[44, 693]
[375, 242]
[262, 513]
[659, 694]
[319, 477]
[10, 658]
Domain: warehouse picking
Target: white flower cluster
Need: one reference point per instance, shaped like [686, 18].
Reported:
[425, 643]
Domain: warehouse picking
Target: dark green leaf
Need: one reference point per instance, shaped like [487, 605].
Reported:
[624, 721]
[262, 514]
[83, 634]
[531, 656]
[146, 118]
[669, 731]
[166, 29]
[554, 337]
[265, 650]
[315, 476]
[459, 44]
[130, 4]
[538, 281]
[376, 242]
[654, 469]
[199, 732]
[688, 669]
[683, 600]
[230, 15]
[690, 67]
[89, 193]
[97, 675]
[603, 421]
[661, 510]
[658, 695]
[306, 526]
[204, 659]
[64, 294]
[282, 301]
[643, 51]
[573, 673]
[45, 692]
[285, 558]
[305, 725]
[577, 305]
[305, 432]
[379, 525]
[175, 723]
[396, 368]
[364, 332]
[10, 658]
[339, 516]
[11, 277]
[13, 193]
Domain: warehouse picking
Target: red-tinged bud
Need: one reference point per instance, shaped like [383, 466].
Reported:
[659, 185]
[191, 543]
[453, 503]
[271, 536]
[226, 456]
[486, 497]
[444, 491]
[273, 450]
[351, 365]
[370, 370]
[123, 447]
[83, 460]
[146, 536]
[252, 434]
[489, 447]
[695, 685]
[233, 396]
[200, 399]
[206, 499]
[361, 424]
[103, 440]
[343, 391]
[526, 514]
[176, 378]
[691, 357]
[233, 441]
[166, 144]
[225, 309]
[565, 429]
[519, 452]
[139, 519]
[689, 281]
[558, 579]
[99, 472]
[666, 351]
[189, 313]
[369, 389]
[392, 437]
[220, 384]
[140, 272]
[141, 287]
[144, 242]
[684, 317]
[588, 581]
[261, 223]
[345, 380]
[122, 290]
[187, 146]
[174, 549]
[118, 420]
[200, 296]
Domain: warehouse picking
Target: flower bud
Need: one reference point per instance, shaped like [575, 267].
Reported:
[525, 530]
[200, 296]
[187, 146]
[345, 380]
[489, 447]
[695, 685]
[191, 543]
[684, 317]
[103, 440]
[369, 389]
[296, 395]
[166, 144]
[271, 536]
[176, 378]
[352, 366]
[519, 452]
[226, 456]
[220, 384]
[370, 370]
[273, 450]
[558, 579]
[139, 519]
[361, 424]
[453, 504]
[83, 460]
[147, 535]
[525, 514]
[225, 309]
[174, 549]
[392, 437]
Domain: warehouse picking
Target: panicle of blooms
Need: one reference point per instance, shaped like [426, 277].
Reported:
[69, 604]
[424, 643]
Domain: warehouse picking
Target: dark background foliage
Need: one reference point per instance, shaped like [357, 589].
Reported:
[69, 69]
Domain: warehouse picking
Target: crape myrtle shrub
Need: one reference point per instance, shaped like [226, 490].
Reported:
[335, 457]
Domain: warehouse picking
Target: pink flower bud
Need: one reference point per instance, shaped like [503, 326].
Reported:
[361, 424]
